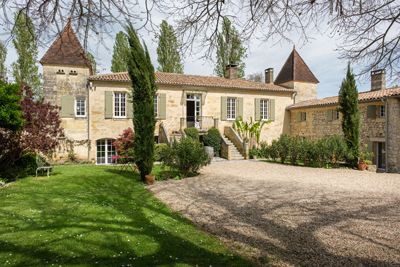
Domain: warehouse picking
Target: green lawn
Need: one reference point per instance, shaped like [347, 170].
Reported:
[91, 215]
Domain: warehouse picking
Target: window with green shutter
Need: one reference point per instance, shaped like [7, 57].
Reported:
[371, 112]
[108, 105]
[162, 106]
[224, 115]
[257, 109]
[67, 106]
[271, 103]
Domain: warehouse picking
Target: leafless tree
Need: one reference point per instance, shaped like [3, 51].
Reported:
[369, 29]
[255, 77]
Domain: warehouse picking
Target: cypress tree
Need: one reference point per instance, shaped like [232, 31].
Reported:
[25, 70]
[92, 62]
[348, 106]
[3, 68]
[229, 49]
[141, 72]
[120, 53]
[168, 56]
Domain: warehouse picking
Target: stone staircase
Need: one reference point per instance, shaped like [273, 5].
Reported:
[235, 154]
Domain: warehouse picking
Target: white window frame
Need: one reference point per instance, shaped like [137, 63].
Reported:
[76, 107]
[156, 106]
[382, 111]
[119, 109]
[105, 145]
[264, 109]
[231, 106]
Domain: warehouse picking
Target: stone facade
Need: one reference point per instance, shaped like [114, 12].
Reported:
[59, 81]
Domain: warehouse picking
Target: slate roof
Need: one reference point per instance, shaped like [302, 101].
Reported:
[295, 69]
[66, 50]
[194, 81]
[334, 100]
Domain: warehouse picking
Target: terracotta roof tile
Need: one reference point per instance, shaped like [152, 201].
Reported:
[362, 97]
[194, 80]
[295, 69]
[66, 49]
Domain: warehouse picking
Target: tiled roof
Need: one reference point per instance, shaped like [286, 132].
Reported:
[194, 80]
[362, 97]
[295, 69]
[66, 49]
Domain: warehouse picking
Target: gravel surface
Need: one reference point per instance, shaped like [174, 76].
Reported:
[286, 215]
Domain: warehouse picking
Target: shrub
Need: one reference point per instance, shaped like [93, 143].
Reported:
[213, 138]
[283, 147]
[294, 149]
[187, 156]
[158, 150]
[24, 166]
[192, 132]
[124, 143]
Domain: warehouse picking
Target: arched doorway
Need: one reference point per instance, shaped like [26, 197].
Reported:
[105, 151]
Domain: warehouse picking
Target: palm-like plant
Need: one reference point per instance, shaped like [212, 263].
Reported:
[249, 130]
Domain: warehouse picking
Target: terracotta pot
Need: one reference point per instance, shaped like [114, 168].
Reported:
[150, 178]
[362, 166]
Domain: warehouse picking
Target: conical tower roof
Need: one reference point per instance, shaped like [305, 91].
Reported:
[295, 69]
[66, 50]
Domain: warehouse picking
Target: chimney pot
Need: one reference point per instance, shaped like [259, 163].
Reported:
[231, 71]
[378, 80]
[269, 76]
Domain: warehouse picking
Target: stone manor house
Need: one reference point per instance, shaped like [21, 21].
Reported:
[95, 109]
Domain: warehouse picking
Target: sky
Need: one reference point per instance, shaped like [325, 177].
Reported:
[319, 53]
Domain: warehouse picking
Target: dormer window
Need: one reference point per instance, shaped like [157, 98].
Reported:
[73, 72]
[60, 72]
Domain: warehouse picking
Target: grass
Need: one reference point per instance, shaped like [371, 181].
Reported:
[91, 215]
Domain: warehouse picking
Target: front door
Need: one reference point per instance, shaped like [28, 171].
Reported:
[381, 157]
[193, 110]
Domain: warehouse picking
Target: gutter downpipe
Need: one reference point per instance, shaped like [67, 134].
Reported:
[88, 87]
[294, 94]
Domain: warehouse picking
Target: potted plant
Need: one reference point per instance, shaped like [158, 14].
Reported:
[150, 178]
[365, 158]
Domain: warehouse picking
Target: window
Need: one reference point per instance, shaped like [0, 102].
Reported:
[302, 116]
[231, 108]
[382, 111]
[264, 114]
[80, 107]
[105, 151]
[336, 115]
[156, 106]
[119, 105]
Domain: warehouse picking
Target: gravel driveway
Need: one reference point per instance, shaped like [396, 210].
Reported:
[285, 215]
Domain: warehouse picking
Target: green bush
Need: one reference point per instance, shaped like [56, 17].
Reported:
[158, 150]
[213, 138]
[192, 132]
[187, 156]
[24, 166]
[325, 152]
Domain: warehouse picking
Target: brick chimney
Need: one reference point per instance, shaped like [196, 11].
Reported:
[269, 75]
[231, 71]
[378, 80]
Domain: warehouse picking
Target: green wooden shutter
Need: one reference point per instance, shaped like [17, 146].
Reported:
[371, 112]
[239, 107]
[298, 116]
[162, 106]
[129, 108]
[257, 111]
[329, 114]
[108, 105]
[223, 108]
[67, 106]
[272, 109]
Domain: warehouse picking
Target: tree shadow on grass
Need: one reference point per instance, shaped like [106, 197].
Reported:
[100, 219]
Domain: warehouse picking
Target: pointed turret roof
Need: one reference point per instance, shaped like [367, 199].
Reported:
[295, 69]
[66, 50]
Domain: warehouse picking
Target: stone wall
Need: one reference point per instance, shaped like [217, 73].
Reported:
[304, 91]
[393, 140]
